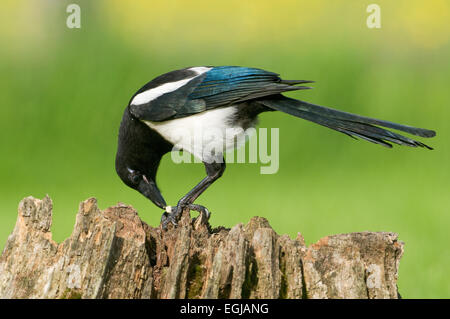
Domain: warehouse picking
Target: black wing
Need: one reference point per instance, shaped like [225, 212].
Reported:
[190, 91]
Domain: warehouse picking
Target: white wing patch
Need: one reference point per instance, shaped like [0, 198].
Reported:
[200, 69]
[151, 94]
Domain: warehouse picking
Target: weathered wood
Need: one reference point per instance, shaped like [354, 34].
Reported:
[114, 254]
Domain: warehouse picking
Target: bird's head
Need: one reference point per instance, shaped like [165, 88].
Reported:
[143, 183]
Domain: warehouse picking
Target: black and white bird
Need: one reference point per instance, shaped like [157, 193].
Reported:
[219, 99]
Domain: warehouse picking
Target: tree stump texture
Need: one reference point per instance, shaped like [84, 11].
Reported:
[114, 254]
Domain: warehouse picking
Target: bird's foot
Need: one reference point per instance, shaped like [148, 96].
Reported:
[169, 217]
[173, 213]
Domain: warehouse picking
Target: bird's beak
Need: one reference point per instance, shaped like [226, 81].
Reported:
[149, 189]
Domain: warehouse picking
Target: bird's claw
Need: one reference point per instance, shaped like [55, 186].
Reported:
[167, 218]
[201, 209]
[173, 215]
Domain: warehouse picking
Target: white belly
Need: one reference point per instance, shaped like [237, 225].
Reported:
[206, 135]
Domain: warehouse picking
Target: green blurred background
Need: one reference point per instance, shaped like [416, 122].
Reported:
[63, 92]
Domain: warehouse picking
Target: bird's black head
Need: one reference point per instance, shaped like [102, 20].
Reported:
[138, 155]
[141, 182]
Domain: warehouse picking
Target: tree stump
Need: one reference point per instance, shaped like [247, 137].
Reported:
[114, 254]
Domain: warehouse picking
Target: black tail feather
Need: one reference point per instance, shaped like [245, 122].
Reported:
[329, 112]
[295, 82]
[348, 123]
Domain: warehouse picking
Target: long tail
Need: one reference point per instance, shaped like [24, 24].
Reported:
[348, 123]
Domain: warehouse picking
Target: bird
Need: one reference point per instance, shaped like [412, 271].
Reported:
[219, 98]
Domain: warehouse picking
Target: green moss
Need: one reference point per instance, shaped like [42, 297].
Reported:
[304, 291]
[284, 283]
[251, 279]
[71, 294]
[195, 278]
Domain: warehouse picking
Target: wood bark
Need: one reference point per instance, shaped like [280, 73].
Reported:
[114, 254]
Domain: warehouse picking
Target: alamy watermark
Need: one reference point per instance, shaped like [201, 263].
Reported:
[73, 20]
[374, 19]
[210, 145]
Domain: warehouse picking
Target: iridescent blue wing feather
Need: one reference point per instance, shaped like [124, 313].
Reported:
[226, 85]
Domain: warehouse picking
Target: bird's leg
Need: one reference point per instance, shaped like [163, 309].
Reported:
[214, 171]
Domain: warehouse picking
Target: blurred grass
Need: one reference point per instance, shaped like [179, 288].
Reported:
[63, 93]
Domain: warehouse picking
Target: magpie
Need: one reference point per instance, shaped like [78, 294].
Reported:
[218, 99]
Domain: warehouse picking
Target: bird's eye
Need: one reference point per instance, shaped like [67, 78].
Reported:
[135, 178]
